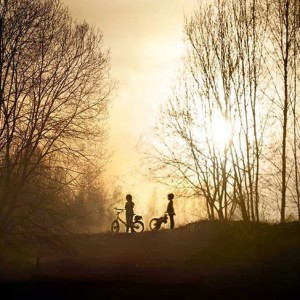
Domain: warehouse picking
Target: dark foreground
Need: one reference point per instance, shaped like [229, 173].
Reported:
[200, 261]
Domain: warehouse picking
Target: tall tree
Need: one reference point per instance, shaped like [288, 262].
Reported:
[284, 28]
[54, 90]
[237, 71]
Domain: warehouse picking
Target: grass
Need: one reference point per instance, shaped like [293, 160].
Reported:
[203, 259]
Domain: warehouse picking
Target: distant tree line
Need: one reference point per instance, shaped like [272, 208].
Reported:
[242, 66]
[54, 91]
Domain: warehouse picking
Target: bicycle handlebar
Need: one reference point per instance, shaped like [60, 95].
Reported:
[119, 208]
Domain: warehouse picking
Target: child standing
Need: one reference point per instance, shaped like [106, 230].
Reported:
[129, 211]
[170, 210]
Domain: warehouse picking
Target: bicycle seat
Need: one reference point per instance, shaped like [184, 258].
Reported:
[138, 218]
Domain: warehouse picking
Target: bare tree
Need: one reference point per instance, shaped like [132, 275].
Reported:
[284, 35]
[54, 90]
[225, 78]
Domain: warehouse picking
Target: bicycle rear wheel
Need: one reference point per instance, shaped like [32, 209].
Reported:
[115, 226]
[137, 227]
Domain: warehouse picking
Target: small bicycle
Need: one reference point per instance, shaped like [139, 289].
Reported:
[156, 223]
[136, 226]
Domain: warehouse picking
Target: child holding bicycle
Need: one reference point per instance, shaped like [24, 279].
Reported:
[129, 211]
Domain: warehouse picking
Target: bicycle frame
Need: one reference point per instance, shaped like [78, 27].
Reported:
[119, 211]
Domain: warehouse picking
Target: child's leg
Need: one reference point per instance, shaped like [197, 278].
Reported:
[172, 223]
[128, 222]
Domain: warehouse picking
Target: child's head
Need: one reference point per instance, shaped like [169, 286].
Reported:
[171, 196]
[128, 197]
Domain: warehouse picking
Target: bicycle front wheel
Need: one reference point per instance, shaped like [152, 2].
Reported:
[137, 227]
[153, 224]
[115, 226]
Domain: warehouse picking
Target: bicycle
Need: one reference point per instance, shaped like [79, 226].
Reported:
[136, 226]
[156, 223]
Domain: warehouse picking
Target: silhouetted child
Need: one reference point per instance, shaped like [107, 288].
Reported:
[170, 210]
[129, 211]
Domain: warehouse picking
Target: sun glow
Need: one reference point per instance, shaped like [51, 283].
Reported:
[221, 133]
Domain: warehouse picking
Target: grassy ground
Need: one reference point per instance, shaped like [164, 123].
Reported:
[200, 260]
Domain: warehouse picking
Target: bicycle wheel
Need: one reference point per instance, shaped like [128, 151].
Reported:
[154, 224]
[115, 226]
[137, 227]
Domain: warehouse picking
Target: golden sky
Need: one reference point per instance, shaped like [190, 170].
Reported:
[145, 38]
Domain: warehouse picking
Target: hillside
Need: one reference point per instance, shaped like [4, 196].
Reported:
[208, 259]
